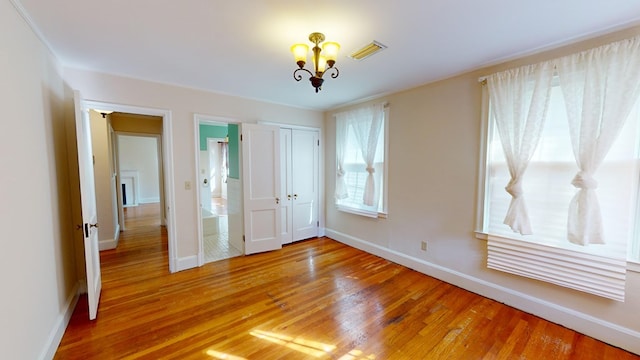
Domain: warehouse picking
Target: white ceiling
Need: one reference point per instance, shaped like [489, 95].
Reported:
[241, 47]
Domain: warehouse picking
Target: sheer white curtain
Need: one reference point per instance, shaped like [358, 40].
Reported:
[366, 127]
[366, 124]
[600, 87]
[341, 145]
[520, 100]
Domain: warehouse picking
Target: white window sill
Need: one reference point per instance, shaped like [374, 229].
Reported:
[632, 265]
[360, 212]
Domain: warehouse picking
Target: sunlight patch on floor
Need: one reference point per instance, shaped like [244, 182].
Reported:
[223, 356]
[356, 355]
[309, 347]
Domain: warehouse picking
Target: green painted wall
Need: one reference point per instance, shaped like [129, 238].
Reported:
[234, 151]
[211, 131]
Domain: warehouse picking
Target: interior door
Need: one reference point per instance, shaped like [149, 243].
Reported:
[261, 187]
[305, 181]
[89, 212]
[286, 191]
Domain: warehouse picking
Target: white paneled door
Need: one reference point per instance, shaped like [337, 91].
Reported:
[286, 190]
[305, 181]
[299, 150]
[261, 187]
[89, 212]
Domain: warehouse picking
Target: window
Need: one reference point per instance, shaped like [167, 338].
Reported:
[360, 160]
[560, 192]
[548, 190]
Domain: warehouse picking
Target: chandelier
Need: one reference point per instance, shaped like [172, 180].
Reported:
[321, 63]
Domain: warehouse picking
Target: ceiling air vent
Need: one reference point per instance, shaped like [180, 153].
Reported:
[367, 50]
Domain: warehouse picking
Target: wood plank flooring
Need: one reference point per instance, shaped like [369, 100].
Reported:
[316, 299]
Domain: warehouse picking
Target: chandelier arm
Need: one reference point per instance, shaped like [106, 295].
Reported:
[336, 73]
[297, 76]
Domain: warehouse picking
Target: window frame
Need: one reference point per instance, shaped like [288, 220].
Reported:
[383, 212]
[481, 223]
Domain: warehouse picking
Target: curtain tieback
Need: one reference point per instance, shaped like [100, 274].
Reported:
[514, 188]
[341, 172]
[370, 170]
[584, 180]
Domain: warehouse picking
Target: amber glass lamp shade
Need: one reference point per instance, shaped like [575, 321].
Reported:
[330, 52]
[300, 53]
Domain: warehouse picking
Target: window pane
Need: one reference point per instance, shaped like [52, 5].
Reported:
[356, 173]
[548, 189]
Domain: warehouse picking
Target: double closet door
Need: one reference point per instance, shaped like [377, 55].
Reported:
[299, 149]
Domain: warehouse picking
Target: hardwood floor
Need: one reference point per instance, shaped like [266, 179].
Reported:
[316, 299]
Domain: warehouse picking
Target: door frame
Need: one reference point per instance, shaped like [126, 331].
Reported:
[209, 120]
[321, 177]
[160, 172]
[167, 166]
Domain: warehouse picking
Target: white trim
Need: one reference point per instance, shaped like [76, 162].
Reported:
[60, 326]
[109, 244]
[208, 120]
[167, 166]
[187, 262]
[481, 207]
[199, 228]
[290, 126]
[361, 212]
[322, 231]
[32, 24]
[603, 330]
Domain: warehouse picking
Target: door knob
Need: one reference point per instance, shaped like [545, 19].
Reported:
[295, 196]
[289, 197]
[277, 200]
[87, 227]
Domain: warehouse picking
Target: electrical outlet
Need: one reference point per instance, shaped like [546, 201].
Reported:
[423, 246]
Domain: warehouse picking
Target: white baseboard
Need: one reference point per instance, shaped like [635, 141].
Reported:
[110, 243]
[152, 200]
[107, 244]
[60, 326]
[188, 262]
[600, 329]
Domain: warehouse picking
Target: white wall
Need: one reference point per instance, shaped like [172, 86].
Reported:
[37, 271]
[108, 231]
[184, 103]
[140, 153]
[434, 147]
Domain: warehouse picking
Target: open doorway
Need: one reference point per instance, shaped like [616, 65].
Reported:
[153, 127]
[139, 168]
[220, 228]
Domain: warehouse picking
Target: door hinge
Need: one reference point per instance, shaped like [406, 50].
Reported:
[243, 239]
[318, 223]
[318, 142]
[240, 137]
